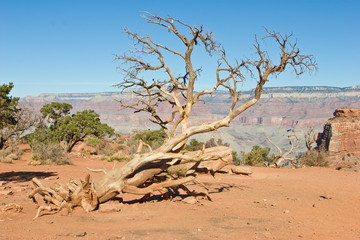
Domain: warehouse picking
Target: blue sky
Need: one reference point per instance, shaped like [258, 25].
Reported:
[63, 46]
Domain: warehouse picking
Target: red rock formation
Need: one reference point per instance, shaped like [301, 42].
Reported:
[341, 134]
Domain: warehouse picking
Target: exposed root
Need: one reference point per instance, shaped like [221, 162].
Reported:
[12, 207]
[41, 208]
[147, 174]
[97, 170]
[100, 170]
[75, 193]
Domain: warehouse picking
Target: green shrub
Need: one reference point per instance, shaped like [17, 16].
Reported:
[92, 141]
[212, 143]
[194, 145]
[67, 129]
[48, 154]
[258, 157]
[153, 138]
[314, 158]
[236, 159]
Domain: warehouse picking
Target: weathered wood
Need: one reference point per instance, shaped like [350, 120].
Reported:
[137, 180]
[242, 170]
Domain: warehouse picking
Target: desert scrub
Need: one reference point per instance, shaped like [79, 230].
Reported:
[119, 156]
[194, 145]
[48, 154]
[314, 158]
[92, 141]
[8, 155]
[236, 159]
[258, 157]
[153, 138]
[85, 151]
[104, 148]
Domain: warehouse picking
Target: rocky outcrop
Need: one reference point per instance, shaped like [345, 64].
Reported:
[341, 135]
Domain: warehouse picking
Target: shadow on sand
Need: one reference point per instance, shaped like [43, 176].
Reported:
[24, 176]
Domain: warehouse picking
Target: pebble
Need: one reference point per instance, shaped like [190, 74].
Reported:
[325, 196]
[83, 234]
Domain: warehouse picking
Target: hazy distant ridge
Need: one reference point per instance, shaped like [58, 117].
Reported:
[279, 109]
[318, 91]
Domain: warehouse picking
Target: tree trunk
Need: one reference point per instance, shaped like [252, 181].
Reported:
[145, 174]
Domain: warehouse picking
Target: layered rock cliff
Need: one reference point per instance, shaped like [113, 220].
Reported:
[279, 110]
[341, 135]
[341, 139]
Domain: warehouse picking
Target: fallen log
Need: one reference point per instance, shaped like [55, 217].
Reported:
[146, 174]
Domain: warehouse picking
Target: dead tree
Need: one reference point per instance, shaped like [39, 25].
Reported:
[147, 172]
[11, 134]
[281, 156]
[310, 138]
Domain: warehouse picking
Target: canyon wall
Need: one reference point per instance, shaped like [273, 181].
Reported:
[279, 110]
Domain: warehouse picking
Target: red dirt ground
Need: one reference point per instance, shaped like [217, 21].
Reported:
[308, 203]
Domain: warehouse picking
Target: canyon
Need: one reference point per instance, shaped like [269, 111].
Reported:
[281, 110]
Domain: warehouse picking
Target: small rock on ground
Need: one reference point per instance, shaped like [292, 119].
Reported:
[6, 192]
[110, 207]
[190, 200]
[82, 234]
[241, 170]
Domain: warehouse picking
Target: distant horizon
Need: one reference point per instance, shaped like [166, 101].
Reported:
[248, 90]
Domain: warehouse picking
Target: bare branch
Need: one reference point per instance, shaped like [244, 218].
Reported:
[281, 157]
[149, 172]
[97, 170]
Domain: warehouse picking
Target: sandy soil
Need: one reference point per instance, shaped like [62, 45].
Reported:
[309, 203]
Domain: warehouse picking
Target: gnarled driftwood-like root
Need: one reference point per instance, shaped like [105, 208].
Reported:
[158, 175]
[75, 193]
